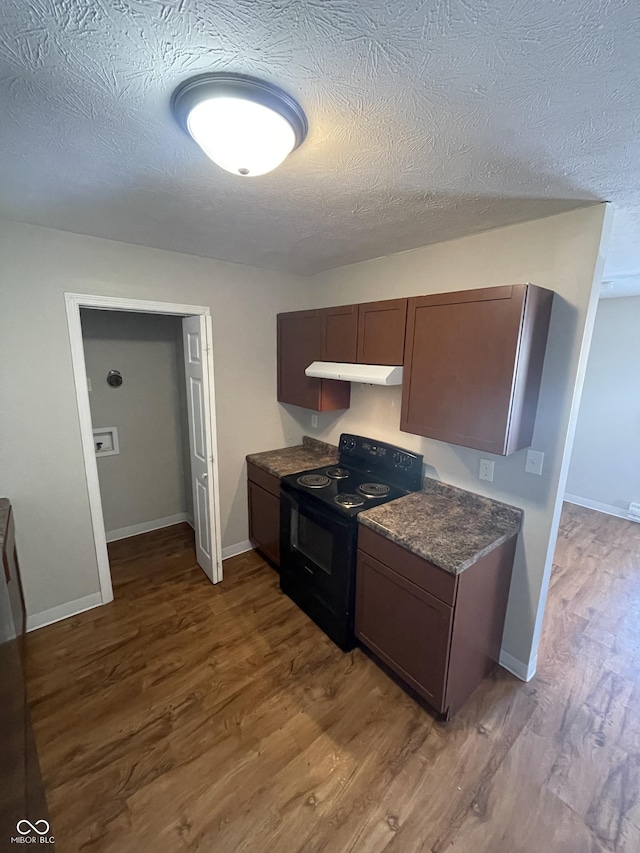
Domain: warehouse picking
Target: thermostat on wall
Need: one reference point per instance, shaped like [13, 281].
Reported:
[105, 441]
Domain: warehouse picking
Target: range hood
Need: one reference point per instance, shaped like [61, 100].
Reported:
[371, 374]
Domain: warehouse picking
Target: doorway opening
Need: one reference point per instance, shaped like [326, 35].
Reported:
[604, 471]
[192, 400]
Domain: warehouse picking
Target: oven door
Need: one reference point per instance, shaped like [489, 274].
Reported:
[317, 563]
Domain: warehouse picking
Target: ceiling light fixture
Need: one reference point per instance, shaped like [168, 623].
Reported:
[246, 126]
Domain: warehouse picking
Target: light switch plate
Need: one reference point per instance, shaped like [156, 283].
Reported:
[535, 461]
[486, 470]
[314, 422]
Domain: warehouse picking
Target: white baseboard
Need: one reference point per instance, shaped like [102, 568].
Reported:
[523, 671]
[238, 548]
[147, 526]
[600, 507]
[63, 611]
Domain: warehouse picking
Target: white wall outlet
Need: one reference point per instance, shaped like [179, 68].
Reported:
[486, 470]
[314, 422]
[535, 461]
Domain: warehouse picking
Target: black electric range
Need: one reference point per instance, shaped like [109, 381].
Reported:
[318, 526]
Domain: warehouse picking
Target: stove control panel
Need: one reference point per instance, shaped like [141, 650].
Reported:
[374, 449]
[404, 467]
[347, 442]
[402, 460]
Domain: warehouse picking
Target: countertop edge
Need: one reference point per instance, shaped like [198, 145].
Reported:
[452, 570]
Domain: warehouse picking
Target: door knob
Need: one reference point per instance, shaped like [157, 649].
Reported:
[204, 476]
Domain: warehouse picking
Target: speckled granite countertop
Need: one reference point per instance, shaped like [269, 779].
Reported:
[289, 460]
[445, 525]
[5, 506]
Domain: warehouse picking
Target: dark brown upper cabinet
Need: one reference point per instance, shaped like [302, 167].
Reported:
[300, 343]
[473, 364]
[370, 333]
[340, 334]
[381, 331]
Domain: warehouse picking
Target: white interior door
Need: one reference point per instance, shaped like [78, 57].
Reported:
[194, 335]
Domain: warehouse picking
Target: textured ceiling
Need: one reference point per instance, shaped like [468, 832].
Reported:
[428, 120]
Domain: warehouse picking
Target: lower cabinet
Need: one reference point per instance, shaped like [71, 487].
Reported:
[405, 626]
[441, 633]
[263, 492]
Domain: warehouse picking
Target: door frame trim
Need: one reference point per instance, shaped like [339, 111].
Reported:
[73, 303]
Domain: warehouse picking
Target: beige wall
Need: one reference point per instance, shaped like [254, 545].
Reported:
[605, 463]
[560, 253]
[41, 462]
[145, 481]
[48, 487]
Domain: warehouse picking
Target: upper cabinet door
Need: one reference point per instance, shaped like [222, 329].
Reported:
[340, 333]
[473, 366]
[299, 344]
[381, 330]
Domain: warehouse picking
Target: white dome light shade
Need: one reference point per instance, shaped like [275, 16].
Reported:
[241, 136]
[246, 126]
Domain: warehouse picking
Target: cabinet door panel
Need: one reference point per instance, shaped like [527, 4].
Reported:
[264, 521]
[406, 627]
[381, 331]
[298, 345]
[461, 357]
[340, 333]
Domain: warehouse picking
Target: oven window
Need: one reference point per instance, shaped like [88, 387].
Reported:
[311, 540]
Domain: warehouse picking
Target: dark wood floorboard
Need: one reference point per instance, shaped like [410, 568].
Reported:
[188, 717]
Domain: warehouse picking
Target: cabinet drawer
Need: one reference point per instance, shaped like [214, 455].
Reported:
[406, 627]
[268, 481]
[423, 574]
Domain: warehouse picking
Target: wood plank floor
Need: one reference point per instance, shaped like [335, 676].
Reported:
[187, 717]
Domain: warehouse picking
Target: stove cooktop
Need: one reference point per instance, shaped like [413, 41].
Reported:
[350, 493]
[367, 474]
